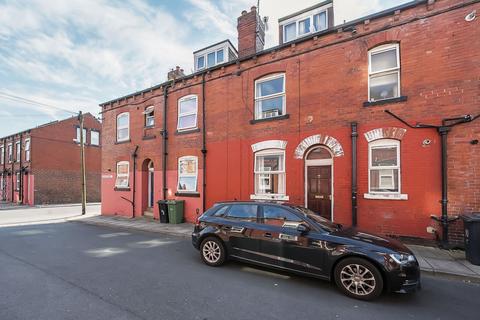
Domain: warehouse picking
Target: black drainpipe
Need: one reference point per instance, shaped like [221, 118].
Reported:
[134, 156]
[20, 172]
[204, 146]
[354, 173]
[165, 138]
[442, 130]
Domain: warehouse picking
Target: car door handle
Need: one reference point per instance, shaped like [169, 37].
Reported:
[267, 235]
[227, 227]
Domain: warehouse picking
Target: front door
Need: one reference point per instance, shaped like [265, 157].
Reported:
[319, 190]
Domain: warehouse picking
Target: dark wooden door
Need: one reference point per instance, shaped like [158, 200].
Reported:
[319, 190]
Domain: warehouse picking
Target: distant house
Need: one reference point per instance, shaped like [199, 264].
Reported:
[42, 165]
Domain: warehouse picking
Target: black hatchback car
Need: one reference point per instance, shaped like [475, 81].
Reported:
[293, 238]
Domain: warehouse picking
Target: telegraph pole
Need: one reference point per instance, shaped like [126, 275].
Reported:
[82, 163]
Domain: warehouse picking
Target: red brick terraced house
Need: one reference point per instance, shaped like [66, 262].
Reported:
[42, 165]
[372, 123]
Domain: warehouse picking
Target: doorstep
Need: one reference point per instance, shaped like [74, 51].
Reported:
[449, 263]
[140, 224]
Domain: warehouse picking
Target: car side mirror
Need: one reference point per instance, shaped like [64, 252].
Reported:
[302, 228]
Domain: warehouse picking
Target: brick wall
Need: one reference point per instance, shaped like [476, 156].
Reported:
[326, 86]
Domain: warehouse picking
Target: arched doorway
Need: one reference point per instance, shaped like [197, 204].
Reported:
[319, 181]
[148, 187]
[150, 197]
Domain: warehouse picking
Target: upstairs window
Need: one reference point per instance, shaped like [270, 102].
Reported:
[270, 96]
[17, 151]
[123, 127]
[384, 72]
[123, 174]
[187, 174]
[270, 172]
[187, 113]
[27, 149]
[2, 154]
[306, 24]
[94, 138]
[10, 152]
[149, 116]
[77, 139]
[384, 166]
[200, 62]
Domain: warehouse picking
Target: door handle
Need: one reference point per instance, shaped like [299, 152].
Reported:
[227, 227]
[267, 235]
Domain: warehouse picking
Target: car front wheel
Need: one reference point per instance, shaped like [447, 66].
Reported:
[212, 251]
[359, 279]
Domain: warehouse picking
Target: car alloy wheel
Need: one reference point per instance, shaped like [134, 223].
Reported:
[213, 252]
[358, 278]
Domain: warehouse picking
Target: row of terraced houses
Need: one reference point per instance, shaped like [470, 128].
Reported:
[372, 123]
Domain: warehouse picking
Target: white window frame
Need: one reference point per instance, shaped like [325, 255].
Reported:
[149, 113]
[2, 154]
[91, 140]
[301, 18]
[27, 149]
[10, 152]
[123, 175]
[18, 151]
[371, 74]
[188, 158]
[182, 99]
[205, 58]
[258, 112]
[77, 133]
[127, 126]
[262, 173]
[392, 195]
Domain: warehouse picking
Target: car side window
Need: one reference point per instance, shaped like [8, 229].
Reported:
[247, 212]
[278, 216]
[220, 212]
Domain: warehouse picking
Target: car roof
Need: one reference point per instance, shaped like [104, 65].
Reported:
[255, 202]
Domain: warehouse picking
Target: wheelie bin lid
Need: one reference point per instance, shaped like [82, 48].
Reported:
[471, 217]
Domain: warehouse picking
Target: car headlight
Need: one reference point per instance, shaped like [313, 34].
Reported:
[402, 258]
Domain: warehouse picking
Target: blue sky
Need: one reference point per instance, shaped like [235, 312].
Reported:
[75, 54]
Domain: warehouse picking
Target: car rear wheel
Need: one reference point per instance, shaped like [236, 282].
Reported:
[212, 251]
[359, 279]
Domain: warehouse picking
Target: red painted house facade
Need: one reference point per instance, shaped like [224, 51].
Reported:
[42, 165]
[306, 122]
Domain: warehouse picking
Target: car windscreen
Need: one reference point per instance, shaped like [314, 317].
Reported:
[324, 223]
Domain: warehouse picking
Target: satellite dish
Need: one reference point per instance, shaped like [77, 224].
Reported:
[471, 16]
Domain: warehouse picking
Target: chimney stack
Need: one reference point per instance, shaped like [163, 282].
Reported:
[176, 73]
[251, 33]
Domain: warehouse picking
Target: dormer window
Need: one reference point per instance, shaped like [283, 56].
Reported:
[214, 55]
[306, 22]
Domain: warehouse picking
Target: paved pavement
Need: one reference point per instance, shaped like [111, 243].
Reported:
[141, 224]
[45, 214]
[79, 271]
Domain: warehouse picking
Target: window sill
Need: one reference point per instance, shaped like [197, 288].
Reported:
[385, 101]
[285, 116]
[187, 131]
[149, 137]
[387, 196]
[123, 141]
[149, 127]
[188, 194]
[278, 197]
[121, 189]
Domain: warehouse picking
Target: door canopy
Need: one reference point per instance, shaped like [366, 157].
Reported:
[319, 139]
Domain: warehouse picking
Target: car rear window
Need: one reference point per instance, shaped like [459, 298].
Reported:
[243, 211]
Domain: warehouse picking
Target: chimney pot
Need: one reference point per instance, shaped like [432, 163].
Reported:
[253, 8]
[244, 12]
